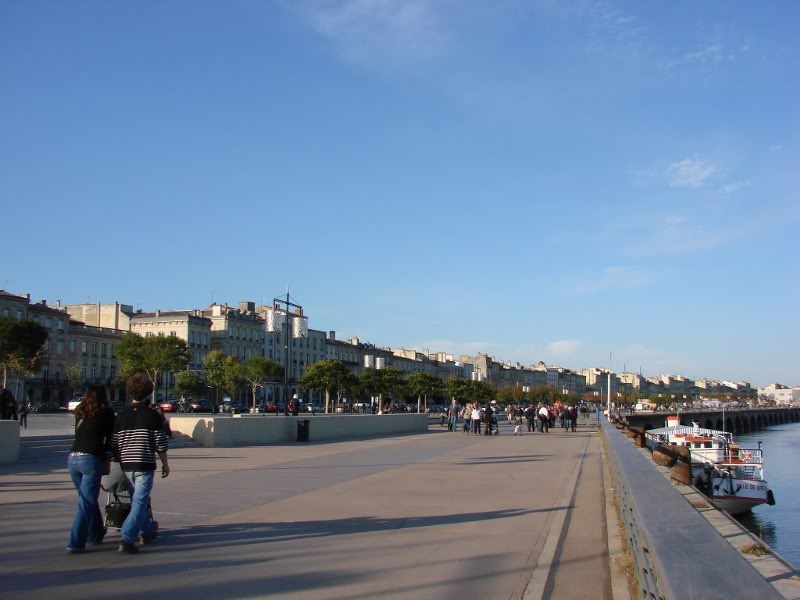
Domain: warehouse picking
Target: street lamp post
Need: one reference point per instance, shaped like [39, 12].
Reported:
[276, 302]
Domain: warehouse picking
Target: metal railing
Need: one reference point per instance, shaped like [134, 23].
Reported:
[677, 554]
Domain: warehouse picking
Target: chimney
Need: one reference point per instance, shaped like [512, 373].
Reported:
[332, 336]
[246, 306]
[158, 312]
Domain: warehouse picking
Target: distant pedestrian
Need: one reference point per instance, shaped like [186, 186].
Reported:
[488, 417]
[23, 415]
[544, 417]
[453, 415]
[94, 425]
[530, 415]
[564, 416]
[573, 417]
[467, 414]
[138, 436]
[476, 419]
[517, 421]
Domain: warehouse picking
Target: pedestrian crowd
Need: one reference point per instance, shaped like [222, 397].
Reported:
[481, 418]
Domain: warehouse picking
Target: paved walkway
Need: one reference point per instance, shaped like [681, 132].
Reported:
[436, 515]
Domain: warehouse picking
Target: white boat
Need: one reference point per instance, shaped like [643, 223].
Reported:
[731, 476]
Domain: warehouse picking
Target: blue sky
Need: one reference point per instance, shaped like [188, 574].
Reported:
[539, 180]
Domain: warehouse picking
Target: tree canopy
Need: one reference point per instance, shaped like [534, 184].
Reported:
[151, 355]
[378, 382]
[257, 371]
[189, 385]
[328, 376]
[423, 384]
[22, 346]
[222, 372]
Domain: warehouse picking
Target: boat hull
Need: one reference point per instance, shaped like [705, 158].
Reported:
[737, 496]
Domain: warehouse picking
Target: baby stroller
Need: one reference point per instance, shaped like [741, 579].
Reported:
[118, 505]
[493, 427]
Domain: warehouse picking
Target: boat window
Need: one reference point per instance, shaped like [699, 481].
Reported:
[708, 444]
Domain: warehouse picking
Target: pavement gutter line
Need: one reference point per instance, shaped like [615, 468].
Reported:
[619, 579]
[537, 584]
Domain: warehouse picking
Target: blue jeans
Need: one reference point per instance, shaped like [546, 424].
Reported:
[453, 422]
[87, 526]
[139, 520]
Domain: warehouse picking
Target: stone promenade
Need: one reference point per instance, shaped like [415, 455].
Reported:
[434, 515]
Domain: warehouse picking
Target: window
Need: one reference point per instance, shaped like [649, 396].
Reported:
[94, 348]
[72, 346]
[103, 372]
[113, 371]
[160, 334]
[83, 348]
[173, 334]
[60, 348]
[94, 371]
[148, 334]
[19, 314]
[5, 312]
[103, 350]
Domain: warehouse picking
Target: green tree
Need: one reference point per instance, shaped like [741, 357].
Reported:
[423, 384]
[459, 389]
[329, 376]
[22, 346]
[189, 385]
[377, 382]
[222, 373]
[152, 356]
[257, 371]
[73, 373]
[510, 394]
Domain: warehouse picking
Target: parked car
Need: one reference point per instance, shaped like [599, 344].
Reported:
[73, 404]
[200, 406]
[168, 407]
[270, 407]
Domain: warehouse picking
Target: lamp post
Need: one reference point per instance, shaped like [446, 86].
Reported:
[297, 332]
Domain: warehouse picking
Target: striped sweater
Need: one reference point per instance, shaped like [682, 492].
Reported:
[138, 435]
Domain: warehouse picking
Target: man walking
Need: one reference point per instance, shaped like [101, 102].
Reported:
[453, 414]
[544, 418]
[23, 414]
[138, 436]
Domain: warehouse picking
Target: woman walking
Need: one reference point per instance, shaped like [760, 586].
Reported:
[94, 424]
[476, 419]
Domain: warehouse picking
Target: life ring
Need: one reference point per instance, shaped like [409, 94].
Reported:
[747, 456]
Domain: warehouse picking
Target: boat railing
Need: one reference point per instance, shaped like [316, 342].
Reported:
[731, 456]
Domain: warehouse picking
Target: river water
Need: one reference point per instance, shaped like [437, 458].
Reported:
[779, 525]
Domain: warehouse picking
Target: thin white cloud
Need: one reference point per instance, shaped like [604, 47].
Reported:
[690, 173]
[711, 54]
[564, 347]
[674, 235]
[734, 186]
[378, 34]
[613, 278]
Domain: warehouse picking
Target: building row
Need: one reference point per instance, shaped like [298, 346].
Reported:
[83, 336]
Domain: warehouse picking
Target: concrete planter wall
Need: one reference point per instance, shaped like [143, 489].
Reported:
[9, 441]
[228, 432]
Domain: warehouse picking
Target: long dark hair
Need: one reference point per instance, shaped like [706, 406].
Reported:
[95, 401]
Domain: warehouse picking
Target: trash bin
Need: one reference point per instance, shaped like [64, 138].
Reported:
[303, 430]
